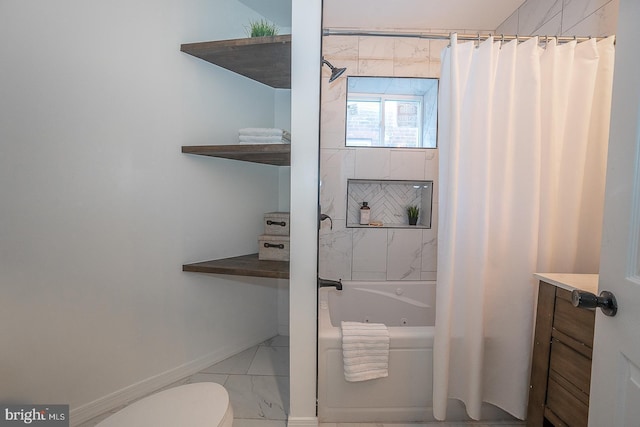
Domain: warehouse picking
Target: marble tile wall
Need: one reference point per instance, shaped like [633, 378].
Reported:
[563, 18]
[373, 254]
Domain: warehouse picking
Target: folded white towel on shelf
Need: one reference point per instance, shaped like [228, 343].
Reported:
[262, 140]
[265, 132]
[365, 351]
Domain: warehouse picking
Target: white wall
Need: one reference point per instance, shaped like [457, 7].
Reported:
[99, 209]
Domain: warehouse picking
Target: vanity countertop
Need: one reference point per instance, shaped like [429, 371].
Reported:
[570, 282]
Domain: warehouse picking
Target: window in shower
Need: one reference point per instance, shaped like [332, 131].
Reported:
[392, 112]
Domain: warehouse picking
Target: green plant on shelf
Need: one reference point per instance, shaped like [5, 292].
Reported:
[262, 28]
[413, 212]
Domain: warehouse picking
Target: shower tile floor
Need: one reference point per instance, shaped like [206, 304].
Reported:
[257, 380]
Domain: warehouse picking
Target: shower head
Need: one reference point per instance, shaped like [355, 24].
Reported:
[335, 72]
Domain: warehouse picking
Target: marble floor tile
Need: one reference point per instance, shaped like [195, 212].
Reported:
[258, 423]
[258, 397]
[270, 361]
[259, 400]
[202, 377]
[237, 364]
[277, 341]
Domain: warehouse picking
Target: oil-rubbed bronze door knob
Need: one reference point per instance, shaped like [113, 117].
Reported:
[606, 301]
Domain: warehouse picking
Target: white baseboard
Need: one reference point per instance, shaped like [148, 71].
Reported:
[302, 422]
[135, 391]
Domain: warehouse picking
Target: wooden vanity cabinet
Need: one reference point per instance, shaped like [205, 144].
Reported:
[561, 363]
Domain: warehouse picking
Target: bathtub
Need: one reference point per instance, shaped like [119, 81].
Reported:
[408, 309]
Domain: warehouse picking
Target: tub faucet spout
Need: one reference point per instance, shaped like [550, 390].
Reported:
[324, 283]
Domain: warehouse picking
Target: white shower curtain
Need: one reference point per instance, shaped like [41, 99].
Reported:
[522, 142]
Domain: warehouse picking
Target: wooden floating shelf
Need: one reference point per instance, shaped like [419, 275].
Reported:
[264, 59]
[245, 265]
[269, 154]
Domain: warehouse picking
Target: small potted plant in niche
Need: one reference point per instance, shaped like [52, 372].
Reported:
[262, 28]
[413, 212]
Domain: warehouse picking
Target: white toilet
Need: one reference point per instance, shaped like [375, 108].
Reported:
[191, 405]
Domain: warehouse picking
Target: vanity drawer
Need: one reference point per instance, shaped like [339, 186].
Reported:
[577, 323]
[571, 365]
[566, 406]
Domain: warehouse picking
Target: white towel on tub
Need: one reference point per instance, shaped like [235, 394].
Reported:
[365, 351]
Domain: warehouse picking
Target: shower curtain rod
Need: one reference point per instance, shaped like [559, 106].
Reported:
[447, 36]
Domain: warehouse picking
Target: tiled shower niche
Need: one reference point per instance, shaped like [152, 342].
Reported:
[388, 200]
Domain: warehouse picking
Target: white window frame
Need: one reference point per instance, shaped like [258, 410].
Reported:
[382, 99]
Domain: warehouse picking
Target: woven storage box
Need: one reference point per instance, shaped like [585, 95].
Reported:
[273, 248]
[276, 223]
